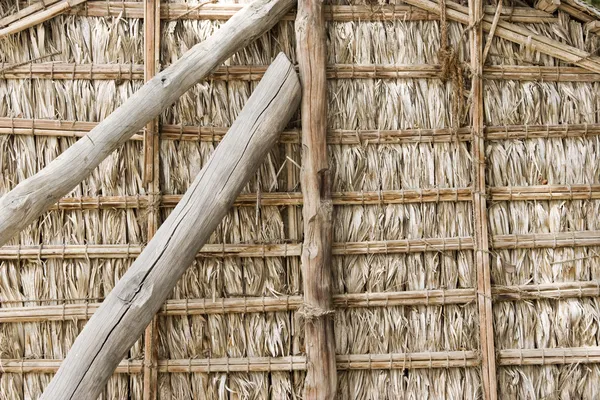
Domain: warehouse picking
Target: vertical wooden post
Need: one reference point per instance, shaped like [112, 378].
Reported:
[321, 375]
[482, 258]
[152, 181]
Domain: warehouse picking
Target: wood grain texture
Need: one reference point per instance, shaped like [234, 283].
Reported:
[31, 19]
[321, 375]
[139, 295]
[32, 197]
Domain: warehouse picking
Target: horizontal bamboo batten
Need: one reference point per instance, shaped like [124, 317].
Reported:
[57, 128]
[512, 132]
[84, 310]
[238, 250]
[245, 305]
[121, 72]
[337, 13]
[546, 240]
[423, 360]
[556, 290]
[499, 242]
[556, 356]
[272, 199]
[499, 193]
[545, 192]
[420, 360]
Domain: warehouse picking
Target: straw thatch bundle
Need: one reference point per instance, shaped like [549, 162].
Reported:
[429, 325]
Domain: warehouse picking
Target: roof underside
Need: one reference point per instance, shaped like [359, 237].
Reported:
[401, 156]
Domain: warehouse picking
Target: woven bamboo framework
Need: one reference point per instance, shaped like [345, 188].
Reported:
[466, 238]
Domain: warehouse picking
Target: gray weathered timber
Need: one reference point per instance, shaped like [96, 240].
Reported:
[32, 197]
[311, 41]
[140, 293]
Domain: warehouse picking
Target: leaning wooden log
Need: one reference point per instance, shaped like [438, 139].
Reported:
[35, 195]
[311, 42]
[139, 295]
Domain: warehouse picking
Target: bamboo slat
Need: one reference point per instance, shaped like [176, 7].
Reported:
[553, 356]
[420, 360]
[57, 128]
[122, 72]
[498, 242]
[556, 290]
[408, 196]
[338, 13]
[245, 305]
[84, 310]
[238, 250]
[545, 240]
[545, 192]
[25, 12]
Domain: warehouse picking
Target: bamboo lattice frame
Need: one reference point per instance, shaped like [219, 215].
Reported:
[477, 135]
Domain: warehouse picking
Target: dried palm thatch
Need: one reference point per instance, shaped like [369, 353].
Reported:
[392, 104]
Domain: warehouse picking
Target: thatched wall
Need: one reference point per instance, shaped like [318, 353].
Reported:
[431, 321]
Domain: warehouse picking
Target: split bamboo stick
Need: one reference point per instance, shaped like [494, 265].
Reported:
[421, 360]
[121, 72]
[545, 192]
[273, 199]
[35, 195]
[138, 296]
[247, 304]
[556, 290]
[317, 209]
[25, 12]
[84, 310]
[44, 127]
[38, 17]
[498, 193]
[551, 240]
[552, 356]
[337, 13]
[242, 250]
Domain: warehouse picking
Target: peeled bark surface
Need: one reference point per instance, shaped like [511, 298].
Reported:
[29, 199]
[321, 374]
[140, 293]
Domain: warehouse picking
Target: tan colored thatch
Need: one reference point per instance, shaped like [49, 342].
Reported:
[383, 219]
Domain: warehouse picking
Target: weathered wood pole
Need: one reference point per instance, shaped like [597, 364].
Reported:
[321, 375]
[140, 293]
[32, 197]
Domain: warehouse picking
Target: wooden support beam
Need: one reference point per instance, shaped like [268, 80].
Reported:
[151, 178]
[140, 293]
[32, 197]
[315, 177]
[482, 257]
[38, 17]
[25, 12]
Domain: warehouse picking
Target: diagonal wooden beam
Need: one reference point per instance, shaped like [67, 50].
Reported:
[516, 34]
[37, 18]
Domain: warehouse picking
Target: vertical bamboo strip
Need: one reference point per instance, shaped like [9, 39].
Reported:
[484, 290]
[317, 211]
[152, 181]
